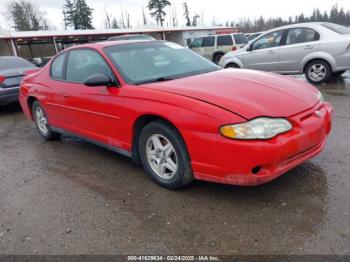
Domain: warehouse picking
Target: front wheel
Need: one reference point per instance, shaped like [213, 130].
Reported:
[318, 72]
[232, 65]
[41, 123]
[164, 155]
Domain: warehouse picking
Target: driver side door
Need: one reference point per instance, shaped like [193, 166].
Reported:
[264, 53]
[88, 111]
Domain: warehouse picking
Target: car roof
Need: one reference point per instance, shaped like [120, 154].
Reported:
[310, 24]
[101, 45]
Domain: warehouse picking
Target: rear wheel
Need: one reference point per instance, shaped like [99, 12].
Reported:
[339, 73]
[41, 123]
[217, 58]
[318, 71]
[164, 155]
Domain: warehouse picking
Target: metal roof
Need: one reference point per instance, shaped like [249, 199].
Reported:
[96, 32]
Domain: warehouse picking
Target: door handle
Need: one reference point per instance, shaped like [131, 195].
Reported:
[65, 95]
[309, 47]
[271, 52]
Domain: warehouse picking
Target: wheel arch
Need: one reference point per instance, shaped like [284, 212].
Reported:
[324, 57]
[30, 101]
[139, 124]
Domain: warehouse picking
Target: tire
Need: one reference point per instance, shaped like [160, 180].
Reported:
[232, 65]
[318, 72]
[41, 123]
[339, 73]
[167, 163]
[217, 58]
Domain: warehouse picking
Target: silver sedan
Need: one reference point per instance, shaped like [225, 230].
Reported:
[318, 50]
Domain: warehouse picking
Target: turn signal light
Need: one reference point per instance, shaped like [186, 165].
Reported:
[234, 48]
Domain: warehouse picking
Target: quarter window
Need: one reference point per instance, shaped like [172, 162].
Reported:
[301, 35]
[268, 41]
[57, 67]
[83, 63]
[225, 40]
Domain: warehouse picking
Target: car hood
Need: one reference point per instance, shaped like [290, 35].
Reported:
[247, 93]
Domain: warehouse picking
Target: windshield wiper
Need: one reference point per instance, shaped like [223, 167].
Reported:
[159, 79]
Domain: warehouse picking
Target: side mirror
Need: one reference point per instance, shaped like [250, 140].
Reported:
[100, 79]
[249, 48]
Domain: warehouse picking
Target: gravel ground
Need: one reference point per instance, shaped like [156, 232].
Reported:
[71, 197]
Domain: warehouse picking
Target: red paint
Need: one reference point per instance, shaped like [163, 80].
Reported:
[197, 106]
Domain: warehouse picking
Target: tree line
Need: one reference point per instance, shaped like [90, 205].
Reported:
[77, 14]
[335, 15]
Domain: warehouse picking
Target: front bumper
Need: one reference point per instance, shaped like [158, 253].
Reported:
[8, 95]
[236, 162]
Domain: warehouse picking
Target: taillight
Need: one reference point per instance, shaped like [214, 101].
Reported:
[2, 79]
[234, 48]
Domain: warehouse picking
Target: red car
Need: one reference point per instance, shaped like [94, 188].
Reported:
[178, 114]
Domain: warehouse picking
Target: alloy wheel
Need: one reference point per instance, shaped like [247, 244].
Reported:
[317, 72]
[161, 156]
[41, 120]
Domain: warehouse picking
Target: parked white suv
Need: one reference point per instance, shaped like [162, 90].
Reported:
[215, 46]
[318, 50]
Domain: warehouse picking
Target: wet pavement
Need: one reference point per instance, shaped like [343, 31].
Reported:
[71, 197]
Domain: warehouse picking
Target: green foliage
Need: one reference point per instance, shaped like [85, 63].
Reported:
[157, 10]
[335, 15]
[187, 14]
[25, 16]
[77, 14]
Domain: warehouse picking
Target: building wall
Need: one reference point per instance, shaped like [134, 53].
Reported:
[5, 49]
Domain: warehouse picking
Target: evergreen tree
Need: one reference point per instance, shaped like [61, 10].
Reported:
[115, 24]
[78, 14]
[25, 16]
[158, 10]
[187, 14]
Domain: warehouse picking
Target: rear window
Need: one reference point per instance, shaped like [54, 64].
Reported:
[342, 30]
[13, 63]
[240, 39]
[225, 40]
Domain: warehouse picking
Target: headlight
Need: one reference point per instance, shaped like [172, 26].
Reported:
[259, 128]
[320, 96]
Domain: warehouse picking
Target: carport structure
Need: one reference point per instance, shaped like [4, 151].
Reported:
[41, 44]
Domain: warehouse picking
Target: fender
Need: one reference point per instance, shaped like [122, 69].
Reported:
[317, 55]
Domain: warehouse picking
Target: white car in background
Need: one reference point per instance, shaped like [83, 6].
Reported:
[318, 50]
[215, 46]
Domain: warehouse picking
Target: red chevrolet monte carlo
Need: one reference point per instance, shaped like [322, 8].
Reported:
[178, 114]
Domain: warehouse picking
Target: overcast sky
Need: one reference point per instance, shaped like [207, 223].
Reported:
[220, 10]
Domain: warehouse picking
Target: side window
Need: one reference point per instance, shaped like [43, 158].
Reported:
[268, 41]
[209, 41]
[57, 67]
[225, 40]
[83, 63]
[301, 35]
[198, 42]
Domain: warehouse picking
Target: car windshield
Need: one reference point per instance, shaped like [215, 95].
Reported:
[14, 63]
[337, 28]
[240, 39]
[140, 63]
